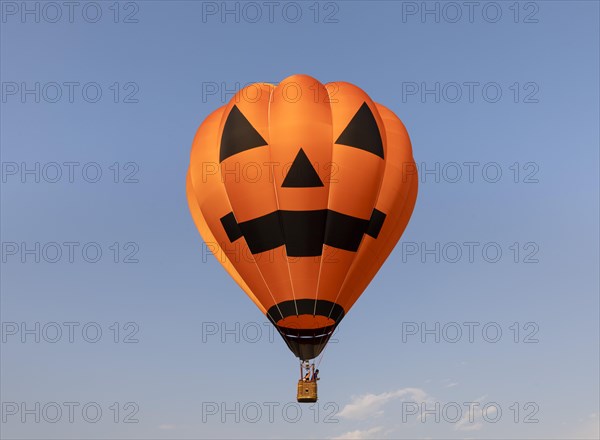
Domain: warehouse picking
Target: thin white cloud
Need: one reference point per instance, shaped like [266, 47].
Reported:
[371, 405]
[472, 417]
[468, 426]
[371, 433]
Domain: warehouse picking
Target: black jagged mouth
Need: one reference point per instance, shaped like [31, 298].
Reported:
[303, 232]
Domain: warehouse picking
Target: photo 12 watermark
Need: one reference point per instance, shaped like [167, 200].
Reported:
[470, 92]
[248, 332]
[69, 332]
[465, 414]
[70, 92]
[269, 12]
[253, 172]
[69, 412]
[456, 12]
[470, 332]
[69, 171]
[69, 252]
[268, 412]
[56, 12]
[470, 252]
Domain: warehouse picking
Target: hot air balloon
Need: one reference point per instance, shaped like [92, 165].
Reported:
[301, 190]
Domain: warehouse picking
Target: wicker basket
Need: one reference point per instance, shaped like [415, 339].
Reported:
[307, 391]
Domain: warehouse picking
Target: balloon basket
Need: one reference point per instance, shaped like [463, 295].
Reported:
[307, 391]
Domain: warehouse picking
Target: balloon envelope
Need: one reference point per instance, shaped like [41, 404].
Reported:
[301, 191]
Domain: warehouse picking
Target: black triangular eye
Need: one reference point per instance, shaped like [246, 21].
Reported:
[301, 173]
[238, 135]
[362, 132]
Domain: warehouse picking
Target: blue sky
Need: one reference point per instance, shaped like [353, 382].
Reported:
[139, 340]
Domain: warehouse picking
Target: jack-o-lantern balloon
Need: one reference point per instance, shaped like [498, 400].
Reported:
[301, 190]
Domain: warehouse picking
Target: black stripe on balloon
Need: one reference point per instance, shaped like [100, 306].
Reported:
[305, 307]
[303, 232]
[263, 233]
[238, 135]
[376, 223]
[311, 336]
[344, 231]
[362, 132]
[231, 227]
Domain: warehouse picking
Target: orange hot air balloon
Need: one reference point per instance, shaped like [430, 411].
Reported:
[301, 191]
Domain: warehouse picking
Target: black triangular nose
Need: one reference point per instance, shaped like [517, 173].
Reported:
[301, 173]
